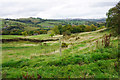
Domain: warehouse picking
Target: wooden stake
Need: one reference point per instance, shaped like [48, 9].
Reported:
[60, 46]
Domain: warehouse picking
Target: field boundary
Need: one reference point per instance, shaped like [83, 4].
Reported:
[25, 39]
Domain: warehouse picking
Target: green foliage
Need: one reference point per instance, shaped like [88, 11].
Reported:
[64, 45]
[67, 32]
[68, 29]
[56, 30]
[93, 27]
[88, 28]
[16, 26]
[43, 32]
[24, 33]
[28, 59]
[36, 24]
[113, 19]
[101, 27]
[77, 29]
[60, 29]
[11, 36]
[99, 54]
[51, 33]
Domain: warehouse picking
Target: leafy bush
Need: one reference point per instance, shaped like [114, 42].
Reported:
[67, 33]
[64, 45]
[25, 33]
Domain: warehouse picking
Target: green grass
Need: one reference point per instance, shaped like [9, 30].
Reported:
[98, 69]
[20, 58]
[0, 23]
[26, 49]
[97, 65]
[11, 36]
[51, 23]
[47, 23]
[31, 28]
[41, 36]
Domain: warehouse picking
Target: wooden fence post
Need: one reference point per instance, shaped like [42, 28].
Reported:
[60, 46]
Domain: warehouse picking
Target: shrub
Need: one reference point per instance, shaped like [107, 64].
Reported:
[64, 45]
[24, 33]
[106, 40]
[68, 33]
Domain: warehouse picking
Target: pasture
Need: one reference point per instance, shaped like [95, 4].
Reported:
[81, 59]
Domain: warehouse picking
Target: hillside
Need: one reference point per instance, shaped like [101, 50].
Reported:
[81, 59]
[41, 26]
[39, 22]
[62, 46]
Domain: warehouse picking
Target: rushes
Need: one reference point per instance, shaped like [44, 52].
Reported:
[105, 42]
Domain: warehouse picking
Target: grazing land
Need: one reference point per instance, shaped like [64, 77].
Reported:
[35, 48]
[82, 58]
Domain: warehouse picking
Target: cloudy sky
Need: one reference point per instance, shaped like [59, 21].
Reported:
[55, 9]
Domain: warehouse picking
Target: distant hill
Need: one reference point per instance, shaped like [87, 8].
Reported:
[39, 22]
[33, 24]
[97, 20]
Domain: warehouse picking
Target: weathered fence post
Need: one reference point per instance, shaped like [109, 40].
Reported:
[60, 46]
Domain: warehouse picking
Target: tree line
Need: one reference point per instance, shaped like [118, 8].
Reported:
[68, 29]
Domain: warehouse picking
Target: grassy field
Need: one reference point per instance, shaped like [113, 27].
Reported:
[11, 36]
[53, 23]
[42, 36]
[31, 28]
[50, 23]
[81, 59]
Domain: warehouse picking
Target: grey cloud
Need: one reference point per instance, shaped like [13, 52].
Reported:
[79, 14]
[104, 4]
[54, 8]
[25, 9]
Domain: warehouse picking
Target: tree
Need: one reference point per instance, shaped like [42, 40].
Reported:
[87, 28]
[76, 29]
[67, 32]
[31, 32]
[60, 29]
[56, 30]
[113, 19]
[24, 33]
[42, 32]
[51, 33]
[93, 27]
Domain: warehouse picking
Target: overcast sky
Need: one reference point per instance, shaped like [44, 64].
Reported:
[55, 9]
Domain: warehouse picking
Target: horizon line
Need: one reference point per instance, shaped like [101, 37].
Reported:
[54, 18]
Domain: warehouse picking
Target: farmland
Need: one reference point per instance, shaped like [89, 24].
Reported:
[33, 26]
[65, 40]
[81, 59]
